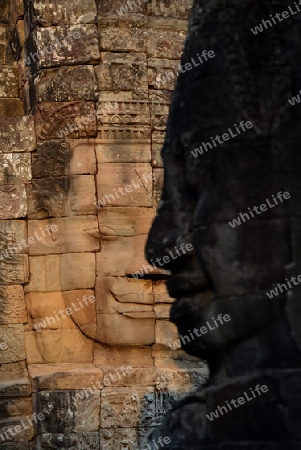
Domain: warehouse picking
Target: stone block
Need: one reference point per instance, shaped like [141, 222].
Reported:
[129, 221]
[13, 407]
[72, 234]
[122, 356]
[48, 273]
[12, 305]
[66, 84]
[122, 72]
[165, 38]
[123, 34]
[158, 186]
[15, 168]
[13, 201]
[8, 82]
[68, 441]
[57, 346]
[166, 333]
[162, 311]
[123, 256]
[115, 8]
[70, 13]
[162, 73]
[9, 107]
[127, 112]
[137, 377]
[123, 330]
[51, 377]
[14, 270]
[159, 108]
[170, 8]
[123, 295]
[160, 293]
[61, 196]
[83, 160]
[125, 184]
[155, 406]
[121, 407]
[13, 234]
[115, 438]
[12, 346]
[17, 134]
[51, 159]
[16, 429]
[72, 120]
[65, 412]
[121, 134]
[43, 309]
[116, 153]
[65, 45]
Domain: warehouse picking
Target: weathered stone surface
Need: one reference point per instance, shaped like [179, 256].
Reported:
[129, 34]
[16, 134]
[165, 38]
[166, 332]
[56, 13]
[49, 274]
[13, 234]
[123, 256]
[160, 293]
[162, 73]
[72, 234]
[171, 8]
[14, 270]
[51, 159]
[65, 45]
[125, 185]
[57, 346]
[122, 294]
[43, 310]
[83, 160]
[9, 107]
[66, 120]
[120, 134]
[66, 84]
[50, 377]
[157, 143]
[122, 356]
[159, 108]
[121, 407]
[124, 330]
[8, 82]
[65, 411]
[21, 433]
[127, 221]
[122, 72]
[70, 441]
[12, 305]
[15, 446]
[15, 407]
[111, 439]
[84, 315]
[162, 311]
[128, 112]
[116, 8]
[13, 201]
[61, 196]
[14, 381]
[12, 338]
[15, 168]
[114, 153]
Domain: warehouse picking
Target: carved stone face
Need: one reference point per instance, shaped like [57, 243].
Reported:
[231, 268]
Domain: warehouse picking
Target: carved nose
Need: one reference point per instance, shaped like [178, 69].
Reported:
[162, 237]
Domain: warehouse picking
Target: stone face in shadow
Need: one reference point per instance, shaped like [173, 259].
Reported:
[231, 167]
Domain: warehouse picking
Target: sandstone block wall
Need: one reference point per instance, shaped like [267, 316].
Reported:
[84, 95]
